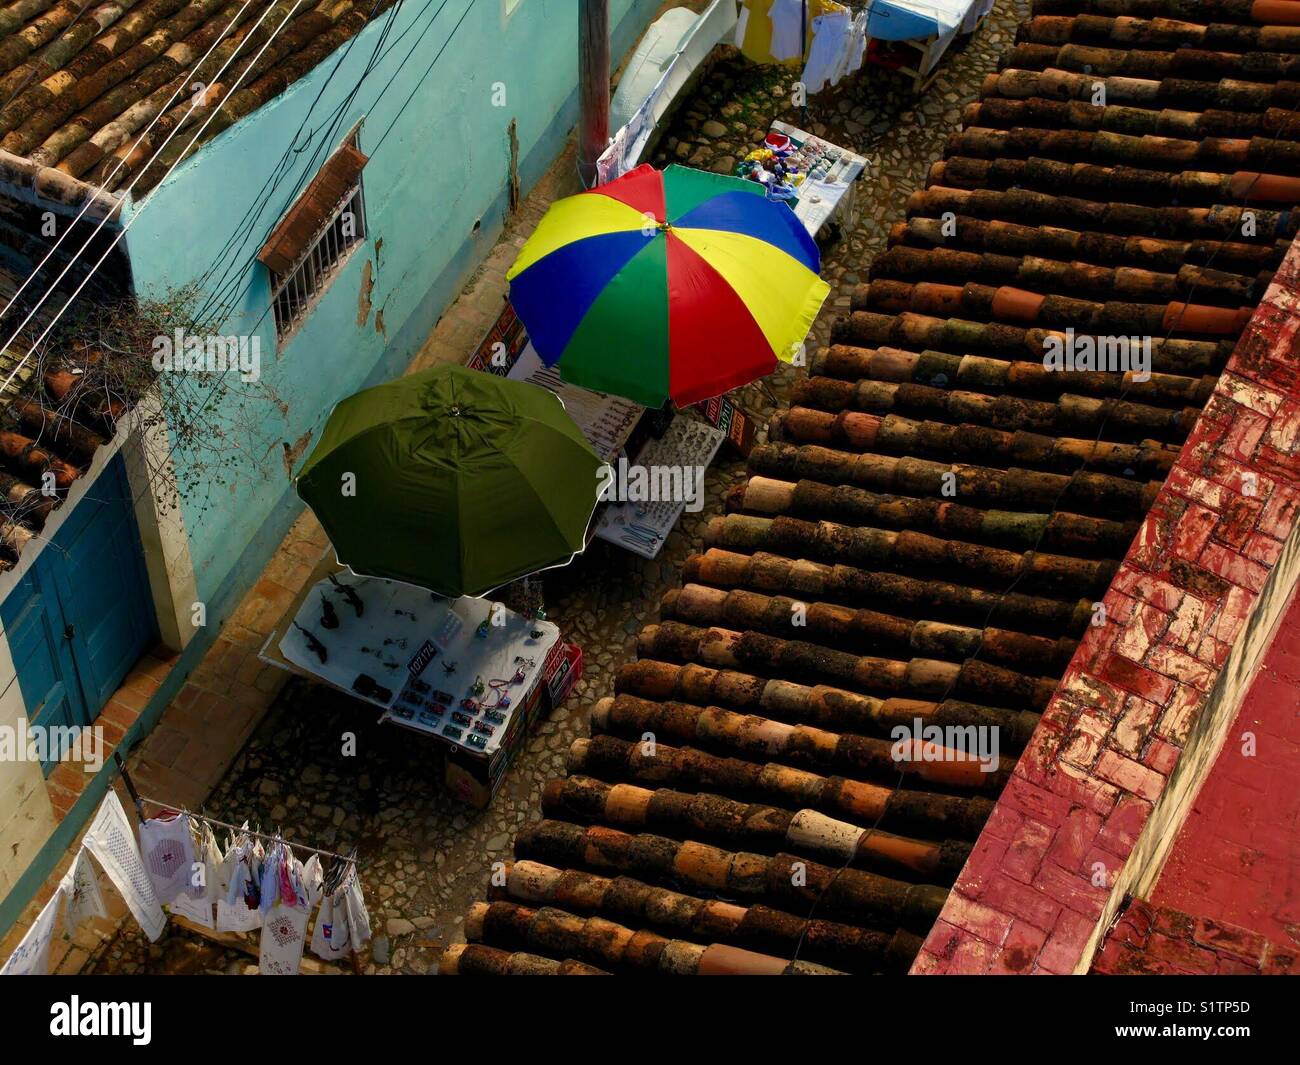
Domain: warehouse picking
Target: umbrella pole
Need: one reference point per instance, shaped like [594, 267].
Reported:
[803, 48]
[593, 86]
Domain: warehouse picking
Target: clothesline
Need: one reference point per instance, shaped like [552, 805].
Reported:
[246, 831]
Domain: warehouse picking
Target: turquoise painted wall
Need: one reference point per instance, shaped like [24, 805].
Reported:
[440, 169]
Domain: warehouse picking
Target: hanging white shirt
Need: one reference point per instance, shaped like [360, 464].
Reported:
[828, 55]
[330, 938]
[313, 879]
[857, 49]
[355, 905]
[787, 29]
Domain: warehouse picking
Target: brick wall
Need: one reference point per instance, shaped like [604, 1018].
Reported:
[1152, 940]
[1142, 710]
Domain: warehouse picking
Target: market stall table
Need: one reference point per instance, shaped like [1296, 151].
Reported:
[609, 423]
[605, 420]
[467, 673]
[827, 196]
[642, 514]
[911, 36]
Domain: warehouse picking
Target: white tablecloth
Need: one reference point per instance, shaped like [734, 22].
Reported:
[397, 622]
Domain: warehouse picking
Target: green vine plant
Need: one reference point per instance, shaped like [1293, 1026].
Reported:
[98, 371]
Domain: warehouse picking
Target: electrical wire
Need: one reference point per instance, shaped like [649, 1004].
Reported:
[93, 197]
[178, 434]
[119, 234]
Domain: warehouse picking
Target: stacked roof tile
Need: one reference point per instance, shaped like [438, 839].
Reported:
[81, 82]
[55, 408]
[928, 527]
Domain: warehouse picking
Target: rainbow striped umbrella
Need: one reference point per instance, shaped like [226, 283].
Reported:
[678, 285]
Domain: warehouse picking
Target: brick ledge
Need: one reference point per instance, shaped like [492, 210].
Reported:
[1088, 811]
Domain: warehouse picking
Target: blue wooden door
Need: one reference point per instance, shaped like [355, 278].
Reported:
[47, 676]
[82, 614]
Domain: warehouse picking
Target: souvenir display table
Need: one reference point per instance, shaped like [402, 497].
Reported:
[467, 673]
[639, 523]
[605, 420]
[818, 179]
[612, 424]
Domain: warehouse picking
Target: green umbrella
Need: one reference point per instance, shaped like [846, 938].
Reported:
[452, 479]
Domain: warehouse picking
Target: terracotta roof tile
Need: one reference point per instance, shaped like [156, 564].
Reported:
[81, 90]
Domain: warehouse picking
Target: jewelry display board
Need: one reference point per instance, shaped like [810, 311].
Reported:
[605, 420]
[685, 450]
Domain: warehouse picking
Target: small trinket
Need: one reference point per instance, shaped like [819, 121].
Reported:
[443, 697]
[349, 593]
[470, 705]
[313, 644]
[484, 727]
[461, 719]
[475, 740]
[478, 687]
[452, 732]
[495, 716]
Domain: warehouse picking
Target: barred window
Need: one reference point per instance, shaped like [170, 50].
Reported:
[315, 238]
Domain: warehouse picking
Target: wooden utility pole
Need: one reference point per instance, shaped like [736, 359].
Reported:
[593, 85]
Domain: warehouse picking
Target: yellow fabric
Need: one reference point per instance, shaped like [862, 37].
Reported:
[781, 293]
[575, 218]
[757, 45]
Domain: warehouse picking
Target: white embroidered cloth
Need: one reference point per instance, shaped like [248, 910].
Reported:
[32, 958]
[81, 887]
[112, 842]
[167, 847]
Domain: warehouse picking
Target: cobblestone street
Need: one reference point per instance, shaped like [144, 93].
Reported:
[425, 857]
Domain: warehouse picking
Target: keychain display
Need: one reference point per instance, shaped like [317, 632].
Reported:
[386, 656]
[329, 618]
[313, 643]
[350, 594]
